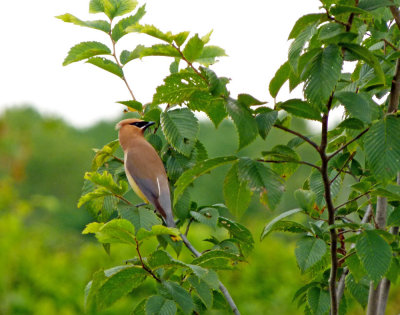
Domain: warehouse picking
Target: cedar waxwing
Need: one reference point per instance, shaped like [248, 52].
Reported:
[144, 168]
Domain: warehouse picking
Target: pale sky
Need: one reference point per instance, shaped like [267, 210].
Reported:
[34, 44]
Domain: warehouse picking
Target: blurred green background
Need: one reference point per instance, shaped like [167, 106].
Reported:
[45, 261]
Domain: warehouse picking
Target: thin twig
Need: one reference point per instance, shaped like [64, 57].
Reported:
[344, 165]
[118, 159]
[352, 200]
[114, 54]
[348, 143]
[332, 18]
[190, 64]
[144, 265]
[312, 143]
[188, 226]
[294, 161]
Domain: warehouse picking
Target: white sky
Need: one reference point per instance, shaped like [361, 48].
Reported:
[34, 44]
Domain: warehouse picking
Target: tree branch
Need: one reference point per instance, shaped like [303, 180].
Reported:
[348, 143]
[312, 143]
[331, 210]
[396, 15]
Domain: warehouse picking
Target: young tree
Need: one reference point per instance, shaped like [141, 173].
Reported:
[344, 245]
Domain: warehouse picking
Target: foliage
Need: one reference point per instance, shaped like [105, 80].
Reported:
[363, 149]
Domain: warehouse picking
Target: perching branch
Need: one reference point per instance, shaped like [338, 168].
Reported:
[312, 143]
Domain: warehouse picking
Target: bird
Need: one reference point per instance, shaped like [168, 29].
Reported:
[143, 167]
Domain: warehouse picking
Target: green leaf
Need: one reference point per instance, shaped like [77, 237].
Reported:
[364, 54]
[394, 217]
[382, 147]
[330, 30]
[106, 180]
[180, 128]
[305, 21]
[285, 154]
[301, 109]
[208, 216]
[199, 169]
[370, 5]
[158, 305]
[340, 9]
[118, 30]
[306, 199]
[248, 100]
[203, 290]
[324, 74]
[245, 124]
[355, 267]
[358, 105]
[262, 180]
[359, 290]
[85, 50]
[238, 232]
[317, 186]
[114, 8]
[193, 48]
[265, 120]
[156, 230]
[104, 154]
[270, 226]
[393, 271]
[180, 38]
[298, 44]
[179, 88]
[120, 281]
[114, 231]
[140, 308]
[98, 25]
[367, 246]
[133, 105]
[107, 65]
[141, 218]
[351, 123]
[180, 295]
[318, 300]
[150, 30]
[288, 226]
[96, 6]
[309, 251]
[208, 55]
[281, 76]
[216, 259]
[236, 194]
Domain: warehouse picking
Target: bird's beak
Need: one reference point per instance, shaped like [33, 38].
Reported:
[149, 123]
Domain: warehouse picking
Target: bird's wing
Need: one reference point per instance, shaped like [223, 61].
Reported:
[148, 173]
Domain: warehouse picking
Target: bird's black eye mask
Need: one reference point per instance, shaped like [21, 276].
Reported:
[142, 124]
